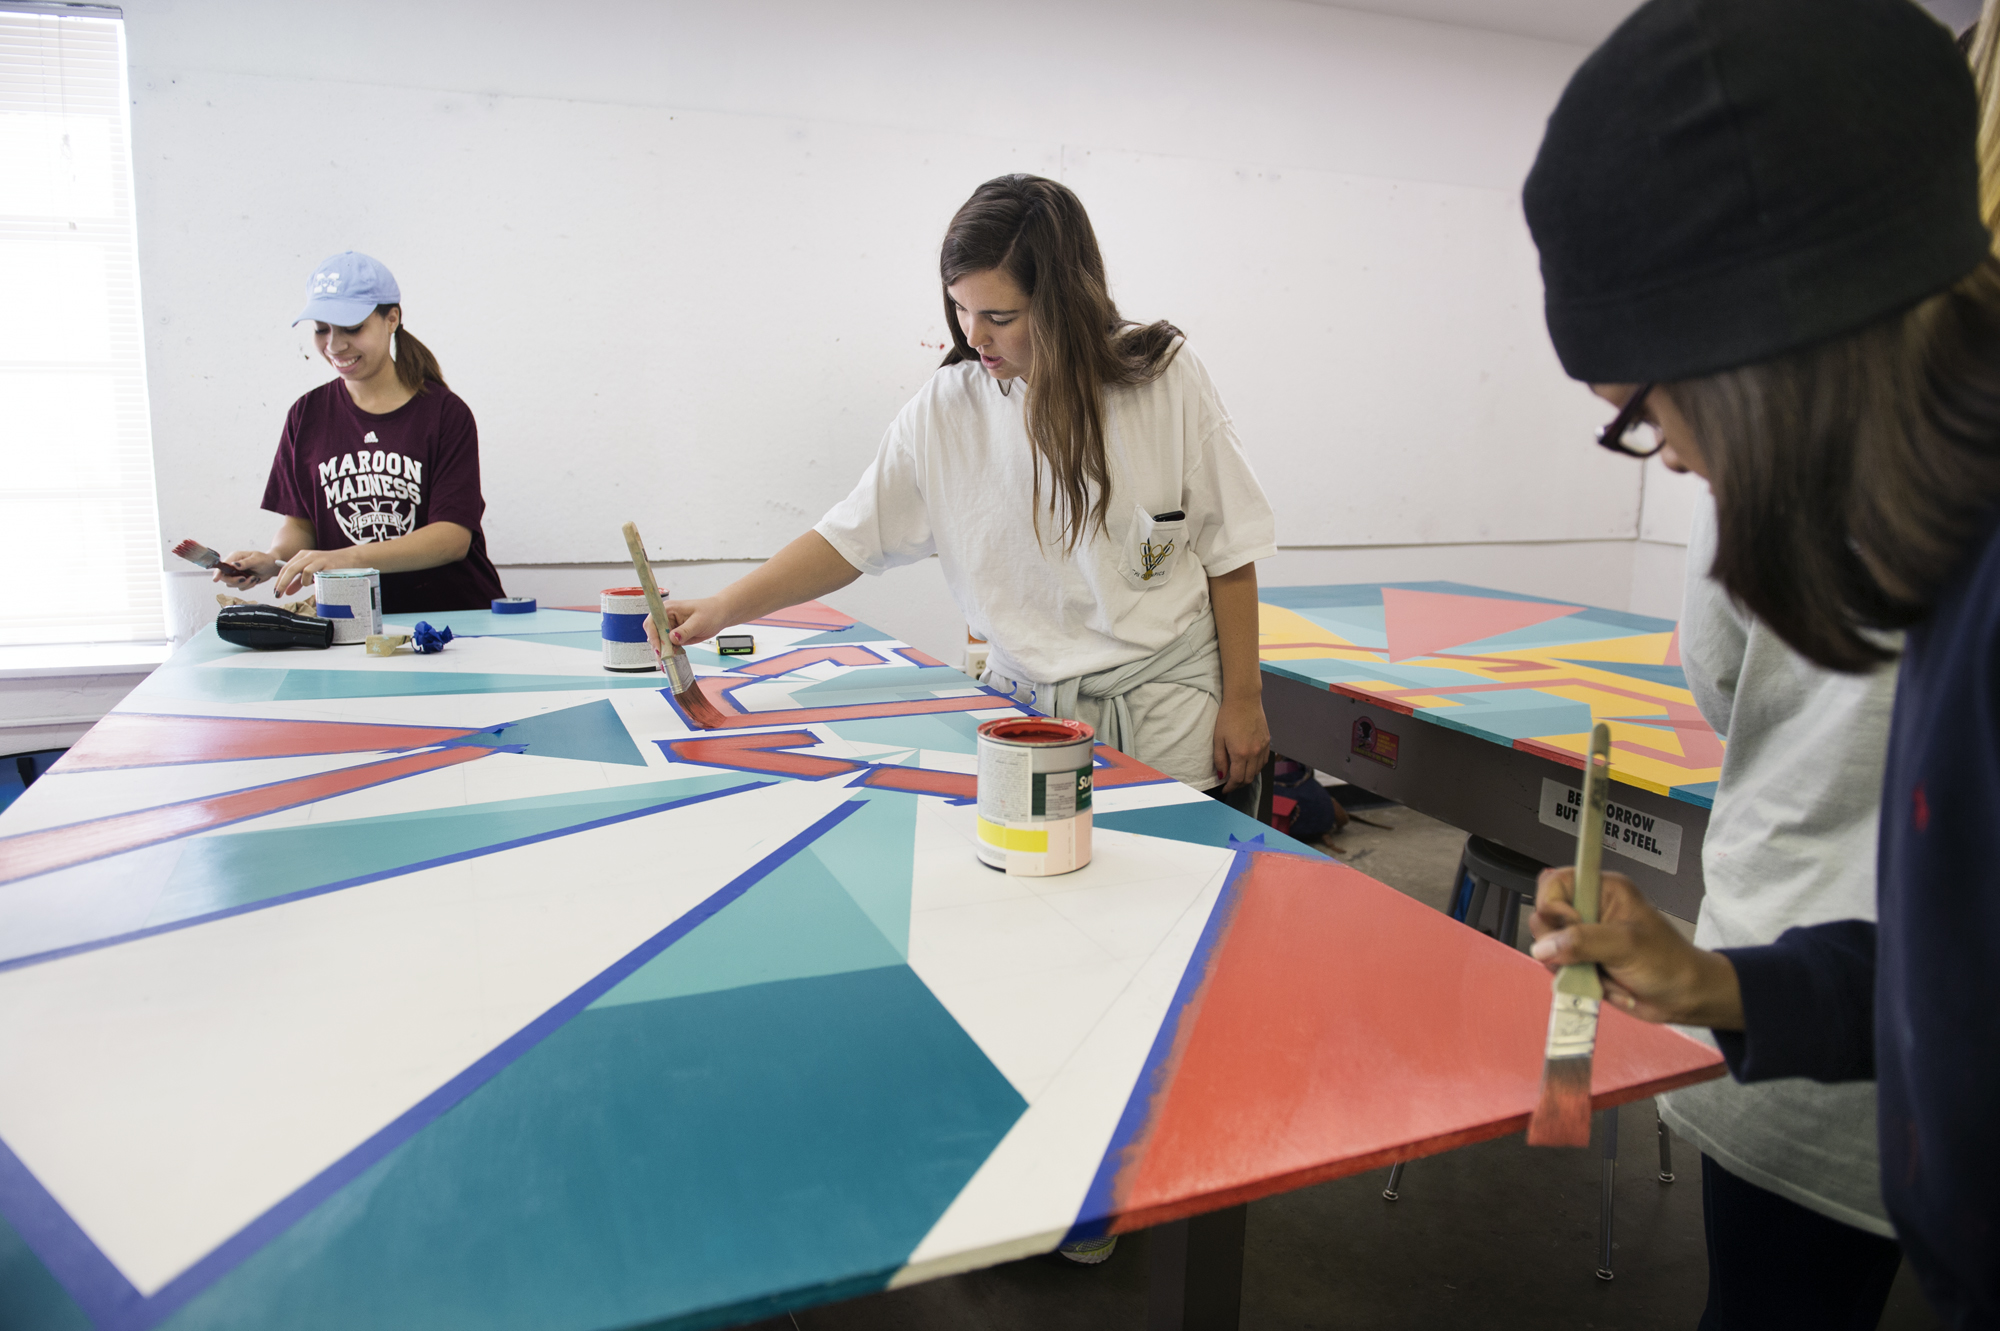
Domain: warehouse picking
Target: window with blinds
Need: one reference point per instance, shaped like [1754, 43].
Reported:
[80, 555]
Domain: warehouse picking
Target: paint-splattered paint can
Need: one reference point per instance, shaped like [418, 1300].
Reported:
[352, 599]
[623, 629]
[1034, 794]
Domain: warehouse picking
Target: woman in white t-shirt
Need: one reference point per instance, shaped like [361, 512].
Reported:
[1082, 486]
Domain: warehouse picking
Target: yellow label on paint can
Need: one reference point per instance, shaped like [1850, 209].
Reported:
[1034, 795]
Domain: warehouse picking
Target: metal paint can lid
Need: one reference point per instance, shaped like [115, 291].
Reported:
[348, 573]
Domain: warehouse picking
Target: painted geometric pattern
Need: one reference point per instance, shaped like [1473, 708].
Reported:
[478, 989]
[1518, 670]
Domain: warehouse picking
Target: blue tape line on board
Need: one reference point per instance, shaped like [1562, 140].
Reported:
[514, 605]
[623, 628]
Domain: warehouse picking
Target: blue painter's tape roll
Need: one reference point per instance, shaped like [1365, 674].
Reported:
[514, 605]
[623, 628]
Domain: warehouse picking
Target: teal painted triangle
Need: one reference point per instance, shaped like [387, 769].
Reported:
[949, 732]
[705, 1161]
[793, 924]
[1658, 674]
[1203, 822]
[852, 633]
[873, 854]
[235, 869]
[300, 684]
[589, 732]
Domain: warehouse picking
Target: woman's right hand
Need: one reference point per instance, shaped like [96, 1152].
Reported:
[691, 622]
[1648, 968]
[257, 566]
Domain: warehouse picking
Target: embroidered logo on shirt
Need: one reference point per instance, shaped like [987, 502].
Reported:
[1151, 557]
[370, 438]
[373, 494]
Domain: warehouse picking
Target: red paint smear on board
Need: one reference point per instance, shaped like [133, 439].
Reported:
[1424, 623]
[52, 848]
[761, 753]
[1294, 1065]
[728, 716]
[137, 739]
[845, 654]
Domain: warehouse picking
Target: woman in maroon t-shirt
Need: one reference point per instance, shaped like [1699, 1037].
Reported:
[380, 467]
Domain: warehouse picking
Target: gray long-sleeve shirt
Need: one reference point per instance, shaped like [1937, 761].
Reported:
[1791, 841]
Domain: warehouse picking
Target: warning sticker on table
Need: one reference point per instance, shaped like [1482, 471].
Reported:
[1372, 742]
[1627, 832]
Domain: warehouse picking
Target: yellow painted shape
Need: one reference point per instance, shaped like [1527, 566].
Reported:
[1639, 649]
[1277, 624]
[1034, 841]
[1327, 653]
[1433, 700]
[1636, 769]
[1611, 706]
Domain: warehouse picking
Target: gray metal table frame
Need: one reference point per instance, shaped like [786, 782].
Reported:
[1474, 784]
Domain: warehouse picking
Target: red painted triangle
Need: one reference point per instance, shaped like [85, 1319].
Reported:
[137, 739]
[1674, 647]
[1425, 623]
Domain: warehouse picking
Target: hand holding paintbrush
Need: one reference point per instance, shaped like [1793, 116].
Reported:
[1562, 1118]
[679, 670]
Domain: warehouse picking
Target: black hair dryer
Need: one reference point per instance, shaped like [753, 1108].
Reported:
[266, 626]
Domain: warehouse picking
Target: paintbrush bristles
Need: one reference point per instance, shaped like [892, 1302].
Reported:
[1562, 1118]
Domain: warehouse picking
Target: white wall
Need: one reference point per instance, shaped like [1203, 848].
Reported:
[680, 258]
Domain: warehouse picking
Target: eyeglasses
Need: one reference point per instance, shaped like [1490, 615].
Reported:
[1615, 435]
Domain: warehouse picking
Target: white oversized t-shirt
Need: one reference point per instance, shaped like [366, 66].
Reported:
[954, 477]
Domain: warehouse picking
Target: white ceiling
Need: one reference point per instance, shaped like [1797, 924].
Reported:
[1581, 22]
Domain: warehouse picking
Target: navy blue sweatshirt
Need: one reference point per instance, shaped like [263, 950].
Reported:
[1915, 1001]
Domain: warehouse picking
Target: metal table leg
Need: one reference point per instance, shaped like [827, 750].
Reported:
[1195, 1275]
[1666, 1150]
[1608, 1126]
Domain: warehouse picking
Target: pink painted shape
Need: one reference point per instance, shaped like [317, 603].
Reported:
[807, 615]
[1425, 623]
[1674, 647]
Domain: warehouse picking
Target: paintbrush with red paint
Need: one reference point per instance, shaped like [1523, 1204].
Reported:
[679, 670]
[1562, 1118]
[197, 553]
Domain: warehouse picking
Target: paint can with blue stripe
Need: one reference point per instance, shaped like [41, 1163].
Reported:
[352, 599]
[1034, 794]
[623, 629]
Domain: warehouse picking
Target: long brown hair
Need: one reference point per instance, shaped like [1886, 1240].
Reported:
[1037, 232]
[414, 363]
[1853, 477]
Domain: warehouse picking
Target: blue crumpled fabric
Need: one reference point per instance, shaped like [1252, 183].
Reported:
[425, 639]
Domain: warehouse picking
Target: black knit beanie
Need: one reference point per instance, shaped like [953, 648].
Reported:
[1724, 181]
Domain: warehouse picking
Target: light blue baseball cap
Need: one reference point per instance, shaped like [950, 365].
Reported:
[345, 289]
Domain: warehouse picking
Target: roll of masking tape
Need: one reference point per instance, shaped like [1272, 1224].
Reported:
[514, 605]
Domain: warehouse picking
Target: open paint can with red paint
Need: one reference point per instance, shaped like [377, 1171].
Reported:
[1034, 794]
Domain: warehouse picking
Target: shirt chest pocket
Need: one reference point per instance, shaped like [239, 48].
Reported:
[1154, 547]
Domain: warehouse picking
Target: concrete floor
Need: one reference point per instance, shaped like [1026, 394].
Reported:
[1489, 1236]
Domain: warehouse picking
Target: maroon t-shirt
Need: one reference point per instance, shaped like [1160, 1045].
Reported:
[358, 478]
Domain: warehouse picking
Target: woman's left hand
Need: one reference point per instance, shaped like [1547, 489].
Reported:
[298, 570]
[1242, 741]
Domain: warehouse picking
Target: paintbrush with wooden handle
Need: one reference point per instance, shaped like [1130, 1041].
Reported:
[674, 661]
[1562, 1118]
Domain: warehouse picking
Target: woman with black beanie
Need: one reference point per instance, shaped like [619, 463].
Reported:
[1760, 234]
